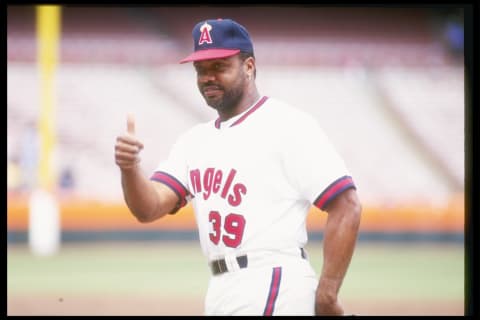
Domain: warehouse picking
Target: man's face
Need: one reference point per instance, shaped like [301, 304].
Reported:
[221, 81]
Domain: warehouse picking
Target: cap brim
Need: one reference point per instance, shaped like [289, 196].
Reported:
[208, 54]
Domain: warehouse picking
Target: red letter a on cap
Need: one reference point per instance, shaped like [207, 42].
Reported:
[205, 34]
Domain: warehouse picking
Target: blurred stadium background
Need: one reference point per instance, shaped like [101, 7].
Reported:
[387, 85]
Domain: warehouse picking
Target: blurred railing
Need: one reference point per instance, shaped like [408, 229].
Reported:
[88, 215]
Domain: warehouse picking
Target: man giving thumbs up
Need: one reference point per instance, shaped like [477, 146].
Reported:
[147, 200]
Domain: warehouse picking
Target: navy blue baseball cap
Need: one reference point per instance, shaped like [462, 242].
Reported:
[218, 38]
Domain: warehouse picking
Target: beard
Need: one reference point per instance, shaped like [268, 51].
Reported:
[230, 98]
[228, 101]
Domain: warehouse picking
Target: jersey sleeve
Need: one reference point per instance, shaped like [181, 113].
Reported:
[313, 165]
[173, 173]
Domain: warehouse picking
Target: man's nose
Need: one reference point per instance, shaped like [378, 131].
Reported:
[205, 77]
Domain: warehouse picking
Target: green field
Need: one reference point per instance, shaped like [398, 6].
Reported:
[427, 277]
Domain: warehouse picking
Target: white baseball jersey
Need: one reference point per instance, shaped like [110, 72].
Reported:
[253, 178]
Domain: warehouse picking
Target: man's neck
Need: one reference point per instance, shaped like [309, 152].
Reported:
[243, 105]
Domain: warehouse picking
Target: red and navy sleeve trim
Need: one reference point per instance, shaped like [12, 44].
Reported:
[173, 184]
[333, 190]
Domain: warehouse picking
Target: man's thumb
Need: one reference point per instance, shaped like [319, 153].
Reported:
[130, 124]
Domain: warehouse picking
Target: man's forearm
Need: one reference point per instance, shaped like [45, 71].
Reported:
[139, 195]
[339, 241]
[338, 245]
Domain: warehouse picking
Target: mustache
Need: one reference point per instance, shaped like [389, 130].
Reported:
[210, 85]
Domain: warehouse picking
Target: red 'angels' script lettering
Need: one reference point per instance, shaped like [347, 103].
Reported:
[214, 181]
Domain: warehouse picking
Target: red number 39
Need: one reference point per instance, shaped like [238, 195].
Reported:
[234, 225]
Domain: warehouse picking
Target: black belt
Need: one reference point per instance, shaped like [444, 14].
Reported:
[220, 266]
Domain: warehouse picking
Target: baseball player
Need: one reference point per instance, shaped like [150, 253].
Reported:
[252, 175]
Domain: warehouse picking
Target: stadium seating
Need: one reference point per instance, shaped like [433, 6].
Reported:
[386, 93]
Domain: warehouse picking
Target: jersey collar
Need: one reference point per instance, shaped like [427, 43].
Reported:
[241, 117]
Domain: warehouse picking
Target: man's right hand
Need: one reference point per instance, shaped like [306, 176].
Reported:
[128, 147]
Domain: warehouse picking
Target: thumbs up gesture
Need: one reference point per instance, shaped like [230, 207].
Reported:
[128, 147]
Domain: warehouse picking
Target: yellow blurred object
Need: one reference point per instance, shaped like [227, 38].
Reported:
[13, 176]
[48, 33]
